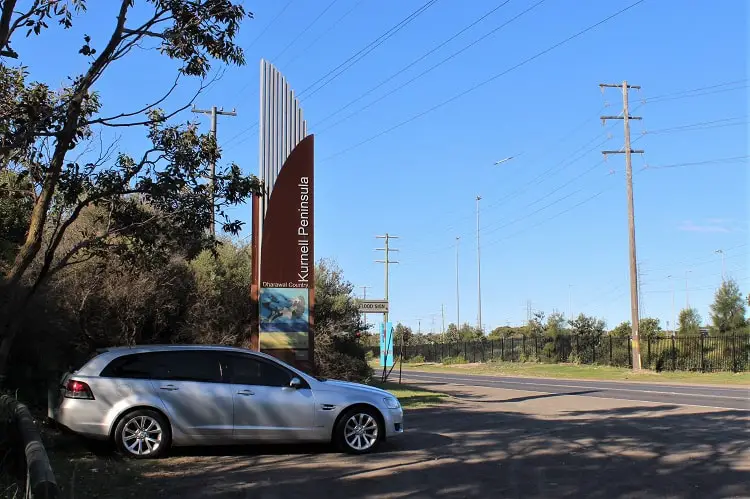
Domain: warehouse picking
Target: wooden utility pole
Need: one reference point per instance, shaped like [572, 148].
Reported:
[634, 315]
[214, 113]
[387, 261]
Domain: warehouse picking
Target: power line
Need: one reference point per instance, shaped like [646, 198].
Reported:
[701, 261]
[506, 223]
[548, 219]
[736, 159]
[242, 132]
[350, 61]
[325, 32]
[535, 181]
[271, 23]
[701, 125]
[699, 89]
[428, 70]
[485, 82]
[362, 53]
[301, 33]
[555, 190]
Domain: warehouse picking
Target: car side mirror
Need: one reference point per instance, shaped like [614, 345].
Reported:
[295, 383]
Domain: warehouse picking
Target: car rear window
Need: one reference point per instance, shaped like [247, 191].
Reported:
[134, 366]
[185, 365]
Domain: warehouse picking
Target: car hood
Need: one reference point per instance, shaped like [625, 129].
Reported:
[355, 387]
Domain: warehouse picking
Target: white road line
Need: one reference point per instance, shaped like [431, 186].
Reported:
[619, 400]
[656, 392]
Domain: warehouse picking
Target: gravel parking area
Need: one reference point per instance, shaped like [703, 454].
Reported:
[486, 442]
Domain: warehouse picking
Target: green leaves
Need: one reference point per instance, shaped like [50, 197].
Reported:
[689, 322]
[202, 31]
[728, 309]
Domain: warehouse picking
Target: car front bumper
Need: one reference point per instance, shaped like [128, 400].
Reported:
[394, 423]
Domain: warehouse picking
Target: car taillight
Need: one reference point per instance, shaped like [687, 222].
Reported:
[78, 390]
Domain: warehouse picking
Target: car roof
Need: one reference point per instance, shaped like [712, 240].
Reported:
[106, 355]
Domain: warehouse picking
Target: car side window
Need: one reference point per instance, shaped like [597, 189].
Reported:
[246, 370]
[134, 366]
[187, 365]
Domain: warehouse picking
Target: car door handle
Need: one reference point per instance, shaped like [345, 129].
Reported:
[169, 388]
[246, 392]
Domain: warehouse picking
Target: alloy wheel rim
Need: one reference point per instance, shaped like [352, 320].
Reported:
[361, 431]
[142, 435]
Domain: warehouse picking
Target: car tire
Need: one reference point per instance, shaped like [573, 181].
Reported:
[143, 434]
[359, 431]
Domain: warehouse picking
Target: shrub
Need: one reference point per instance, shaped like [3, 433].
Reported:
[574, 358]
[341, 358]
[458, 359]
[417, 359]
[528, 358]
[369, 355]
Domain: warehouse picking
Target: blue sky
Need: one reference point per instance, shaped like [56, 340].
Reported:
[554, 221]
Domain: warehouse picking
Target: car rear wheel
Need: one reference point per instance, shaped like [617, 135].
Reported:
[143, 434]
[359, 431]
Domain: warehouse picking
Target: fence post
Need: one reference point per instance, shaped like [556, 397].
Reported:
[630, 352]
[492, 349]
[610, 350]
[465, 354]
[674, 354]
[648, 351]
[593, 352]
[502, 349]
[703, 360]
[734, 361]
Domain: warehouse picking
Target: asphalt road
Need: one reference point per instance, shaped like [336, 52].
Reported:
[690, 395]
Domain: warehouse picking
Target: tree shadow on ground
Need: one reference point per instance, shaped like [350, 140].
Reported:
[485, 400]
[648, 451]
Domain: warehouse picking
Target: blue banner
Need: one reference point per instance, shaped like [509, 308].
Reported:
[386, 344]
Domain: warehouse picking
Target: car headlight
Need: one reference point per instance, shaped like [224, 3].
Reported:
[391, 403]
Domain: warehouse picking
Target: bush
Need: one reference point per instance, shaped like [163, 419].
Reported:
[574, 358]
[417, 359]
[369, 355]
[341, 358]
[529, 358]
[458, 359]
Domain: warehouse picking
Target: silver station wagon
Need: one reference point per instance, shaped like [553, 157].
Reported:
[147, 398]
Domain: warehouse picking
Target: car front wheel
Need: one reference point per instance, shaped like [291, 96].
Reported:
[359, 431]
[143, 434]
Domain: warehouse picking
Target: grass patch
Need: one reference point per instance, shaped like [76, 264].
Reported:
[413, 397]
[573, 371]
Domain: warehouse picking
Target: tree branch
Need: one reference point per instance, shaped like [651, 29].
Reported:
[141, 32]
[65, 139]
[203, 86]
[5, 18]
[103, 121]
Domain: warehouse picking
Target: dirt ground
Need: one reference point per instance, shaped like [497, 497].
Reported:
[486, 442]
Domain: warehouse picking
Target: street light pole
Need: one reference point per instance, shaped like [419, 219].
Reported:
[723, 278]
[479, 274]
[458, 300]
[674, 317]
